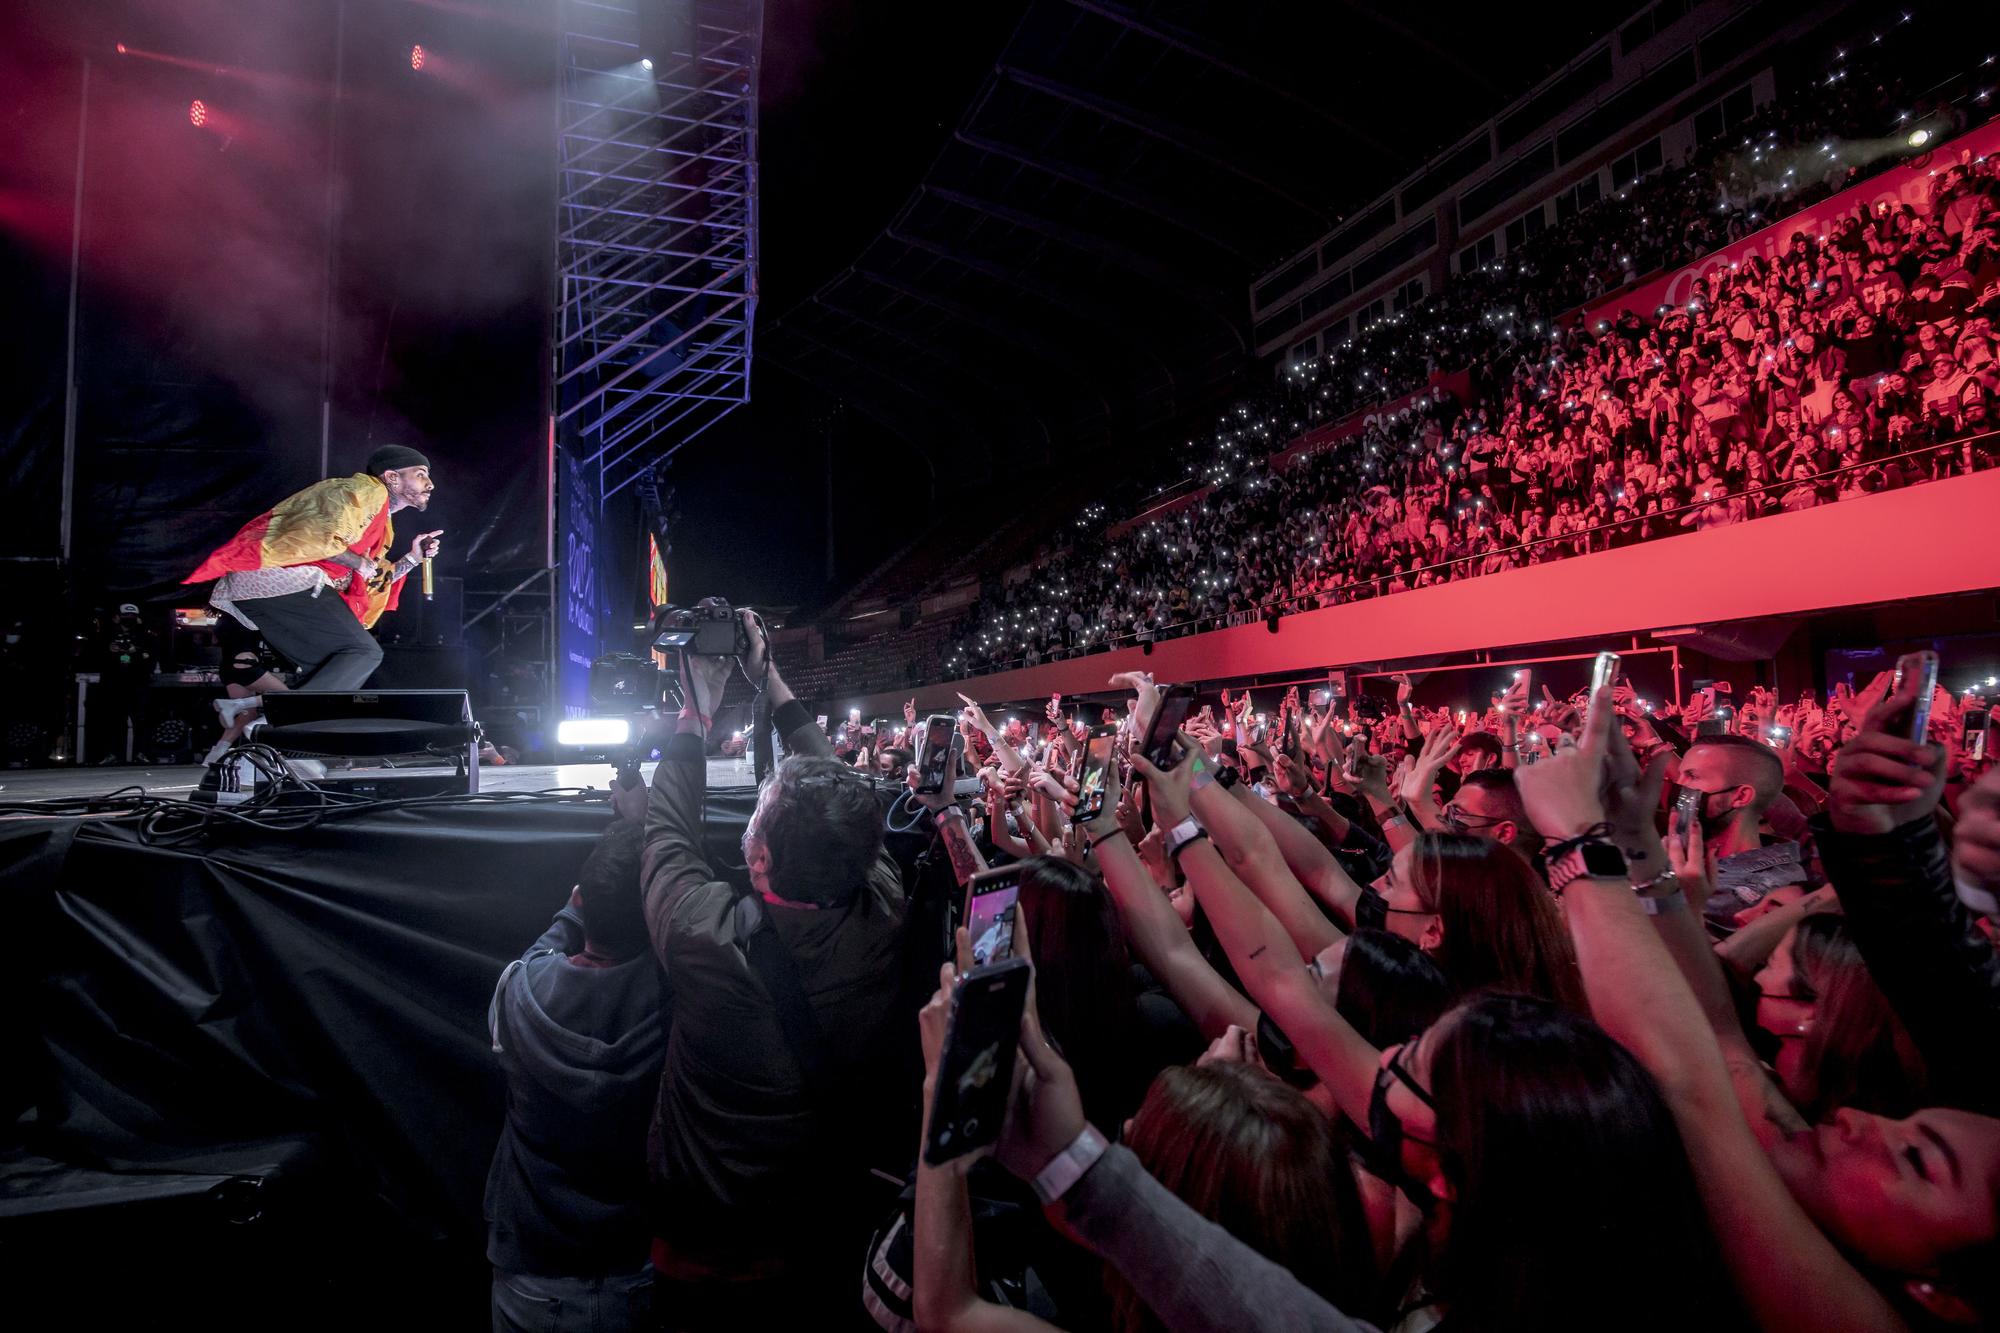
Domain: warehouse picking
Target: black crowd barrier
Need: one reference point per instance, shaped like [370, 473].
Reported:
[286, 1031]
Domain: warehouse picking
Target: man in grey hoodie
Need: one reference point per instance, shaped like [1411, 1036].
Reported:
[577, 1027]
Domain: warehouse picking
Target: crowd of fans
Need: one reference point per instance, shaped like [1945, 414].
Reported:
[1540, 1014]
[1832, 369]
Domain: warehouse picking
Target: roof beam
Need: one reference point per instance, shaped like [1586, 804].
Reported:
[1019, 279]
[1163, 131]
[1010, 391]
[1189, 44]
[1121, 257]
[919, 431]
[1084, 178]
[944, 407]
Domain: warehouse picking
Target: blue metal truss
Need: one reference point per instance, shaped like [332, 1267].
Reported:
[657, 228]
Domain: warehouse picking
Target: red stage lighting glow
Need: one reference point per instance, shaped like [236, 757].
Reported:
[416, 57]
[198, 113]
[121, 48]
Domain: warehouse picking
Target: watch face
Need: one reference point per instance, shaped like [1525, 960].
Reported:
[1602, 859]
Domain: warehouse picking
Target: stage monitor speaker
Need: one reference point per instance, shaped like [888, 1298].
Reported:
[372, 723]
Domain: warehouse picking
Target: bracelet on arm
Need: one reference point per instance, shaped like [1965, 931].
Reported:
[1102, 838]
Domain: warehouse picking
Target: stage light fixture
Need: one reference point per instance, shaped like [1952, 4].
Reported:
[1919, 137]
[197, 113]
[417, 57]
[594, 732]
[647, 64]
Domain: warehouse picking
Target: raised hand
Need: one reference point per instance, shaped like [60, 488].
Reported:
[1369, 773]
[1293, 780]
[1881, 781]
[1975, 848]
[1439, 746]
[1170, 791]
[1141, 684]
[976, 715]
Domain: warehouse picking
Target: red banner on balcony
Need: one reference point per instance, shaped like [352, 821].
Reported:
[1910, 184]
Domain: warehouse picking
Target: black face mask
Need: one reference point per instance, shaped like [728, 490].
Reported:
[1711, 823]
[1383, 1149]
[1371, 912]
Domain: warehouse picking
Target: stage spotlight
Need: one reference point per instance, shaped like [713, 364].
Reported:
[121, 48]
[647, 64]
[1918, 138]
[417, 57]
[197, 113]
[594, 732]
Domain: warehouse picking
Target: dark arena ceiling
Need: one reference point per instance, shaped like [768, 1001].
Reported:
[1071, 266]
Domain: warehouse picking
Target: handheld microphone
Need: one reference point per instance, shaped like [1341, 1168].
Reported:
[427, 578]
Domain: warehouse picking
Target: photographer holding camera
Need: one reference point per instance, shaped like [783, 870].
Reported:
[783, 1001]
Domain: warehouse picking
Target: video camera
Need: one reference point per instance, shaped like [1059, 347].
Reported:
[709, 628]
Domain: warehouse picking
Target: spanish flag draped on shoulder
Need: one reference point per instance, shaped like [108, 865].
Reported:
[310, 528]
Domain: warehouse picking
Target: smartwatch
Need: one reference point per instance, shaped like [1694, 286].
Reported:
[1590, 859]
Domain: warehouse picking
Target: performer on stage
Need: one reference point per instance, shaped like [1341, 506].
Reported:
[334, 534]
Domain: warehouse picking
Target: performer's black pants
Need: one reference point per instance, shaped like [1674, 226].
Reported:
[320, 635]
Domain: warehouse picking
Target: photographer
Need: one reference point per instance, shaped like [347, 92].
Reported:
[783, 1002]
[576, 1025]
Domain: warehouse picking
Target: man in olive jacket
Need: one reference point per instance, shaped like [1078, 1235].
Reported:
[739, 1148]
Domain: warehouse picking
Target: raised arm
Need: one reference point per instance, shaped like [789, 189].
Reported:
[1885, 855]
[674, 861]
[796, 729]
[1419, 786]
[1265, 959]
[944, 1295]
[1792, 1276]
[1306, 859]
[1154, 929]
[1246, 842]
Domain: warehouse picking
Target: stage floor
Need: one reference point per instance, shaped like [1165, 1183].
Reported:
[39, 784]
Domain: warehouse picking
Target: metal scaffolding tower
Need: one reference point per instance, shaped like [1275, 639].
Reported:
[658, 226]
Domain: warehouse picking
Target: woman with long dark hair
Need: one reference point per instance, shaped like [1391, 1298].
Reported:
[1084, 986]
[1479, 909]
[1561, 1182]
[1385, 986]
[1536, 1147]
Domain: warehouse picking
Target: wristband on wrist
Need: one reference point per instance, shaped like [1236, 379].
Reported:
[1067, 1167]
[1105, 837]
[1180, 835]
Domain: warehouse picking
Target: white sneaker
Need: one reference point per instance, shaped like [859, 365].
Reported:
[231, 709]
[216, 751]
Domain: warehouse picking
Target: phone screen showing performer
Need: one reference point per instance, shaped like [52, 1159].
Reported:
[976, 1068]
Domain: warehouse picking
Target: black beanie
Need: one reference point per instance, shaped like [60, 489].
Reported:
[392, 457]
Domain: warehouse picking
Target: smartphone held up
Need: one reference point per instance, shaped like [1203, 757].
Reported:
[976, 1068]
[1923, 665]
